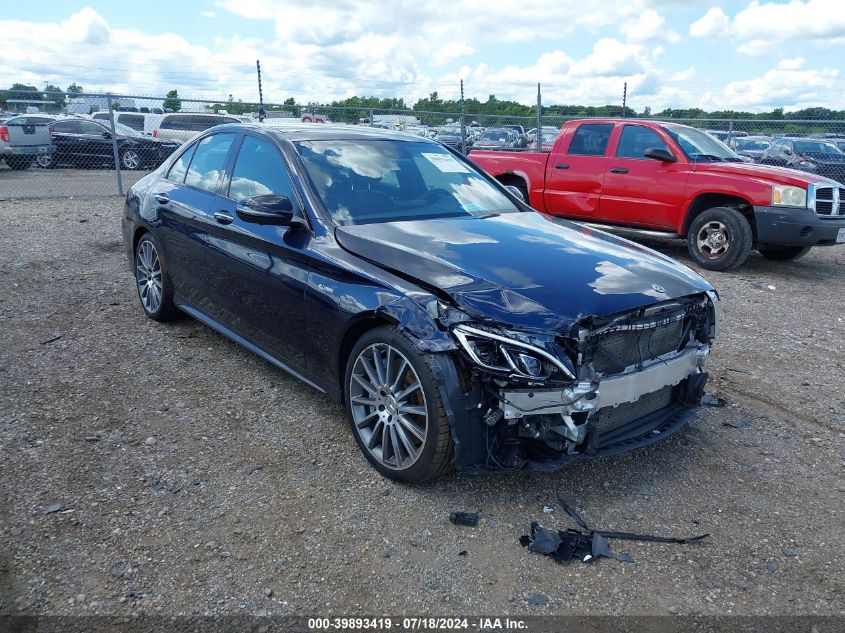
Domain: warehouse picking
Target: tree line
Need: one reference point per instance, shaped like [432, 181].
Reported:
[356, 108]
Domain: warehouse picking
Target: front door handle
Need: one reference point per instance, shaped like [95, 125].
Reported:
[619, 170]
[162, 198]
[223, 218]
[561, 166]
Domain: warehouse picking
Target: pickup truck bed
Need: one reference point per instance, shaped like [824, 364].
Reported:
[21, 142]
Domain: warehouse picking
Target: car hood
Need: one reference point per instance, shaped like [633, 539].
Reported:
[527, 270]
[768, 173]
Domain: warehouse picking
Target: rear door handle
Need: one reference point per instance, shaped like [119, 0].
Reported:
[162, 198]
[619, 170]
[223, 218]
[561, 166]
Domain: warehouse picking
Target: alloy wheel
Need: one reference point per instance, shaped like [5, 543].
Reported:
[388, 406]
[44, 161]
[148, 276]
[130, 159]
[713, 239]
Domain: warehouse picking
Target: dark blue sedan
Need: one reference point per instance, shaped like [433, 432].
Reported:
[459, 327]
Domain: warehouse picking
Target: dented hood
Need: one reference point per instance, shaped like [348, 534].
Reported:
[527, 270]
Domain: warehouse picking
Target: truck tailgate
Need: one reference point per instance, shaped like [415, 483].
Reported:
[30, 135]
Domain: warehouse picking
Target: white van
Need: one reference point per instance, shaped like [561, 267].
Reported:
[142, 122]
[183, 126]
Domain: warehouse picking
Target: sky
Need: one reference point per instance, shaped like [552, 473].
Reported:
[737, 54]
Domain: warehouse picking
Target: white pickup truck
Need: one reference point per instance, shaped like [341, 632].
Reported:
[23, 138]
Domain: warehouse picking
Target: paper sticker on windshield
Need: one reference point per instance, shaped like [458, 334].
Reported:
[446, 163]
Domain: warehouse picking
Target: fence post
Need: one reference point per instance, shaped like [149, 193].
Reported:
[114, 146]
[371, 117]
[730, 132]
[538, 137]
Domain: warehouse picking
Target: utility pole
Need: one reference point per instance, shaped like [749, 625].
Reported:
[463, 123]
[624, 97]
[260, 93]
[538, 138]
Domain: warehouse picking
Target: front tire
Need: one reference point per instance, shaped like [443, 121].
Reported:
[719, 238]
[155, 291]
[783, 253]
[45, 161]
[395, 408]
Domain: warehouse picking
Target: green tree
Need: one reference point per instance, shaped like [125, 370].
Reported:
[19, 91]
[74, 88]
[172, 102]
[54, 94]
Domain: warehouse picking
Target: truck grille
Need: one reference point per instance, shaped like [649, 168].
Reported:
[829, 200]
[618, 350]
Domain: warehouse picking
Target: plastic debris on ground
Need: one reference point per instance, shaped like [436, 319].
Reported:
[469, 519]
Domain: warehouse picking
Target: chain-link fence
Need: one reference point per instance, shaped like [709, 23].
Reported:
[100, 144]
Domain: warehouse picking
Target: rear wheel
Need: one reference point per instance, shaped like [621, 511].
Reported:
[130, 159]
[45, 161]
[783, 253]
[719, 238]
[395, 408]
[18, 163]
[152, 281]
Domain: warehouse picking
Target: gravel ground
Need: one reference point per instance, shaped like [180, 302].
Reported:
[164, 470]
[44, 183]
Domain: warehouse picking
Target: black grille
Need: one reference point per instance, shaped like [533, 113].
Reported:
[610, 418]
[618, 350]
[826, 201]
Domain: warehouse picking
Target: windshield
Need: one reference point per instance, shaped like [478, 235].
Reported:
[743, 144]
[815, 147]
[496, 135]
[449, 131]
[699, 145]
[366, 181]
[125, 130]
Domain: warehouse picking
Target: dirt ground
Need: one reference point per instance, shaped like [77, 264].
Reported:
[164, 470]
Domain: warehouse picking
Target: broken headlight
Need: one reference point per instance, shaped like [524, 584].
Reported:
[502, 354]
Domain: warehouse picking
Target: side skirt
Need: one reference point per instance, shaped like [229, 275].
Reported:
[222, 329]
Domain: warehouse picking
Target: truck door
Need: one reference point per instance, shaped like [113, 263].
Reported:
[575, 173]
[639, 190]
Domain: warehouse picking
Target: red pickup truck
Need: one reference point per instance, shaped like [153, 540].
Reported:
[657, 179]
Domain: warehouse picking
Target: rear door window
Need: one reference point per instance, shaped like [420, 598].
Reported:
[135, 121]
[590, 139]
[209, 161]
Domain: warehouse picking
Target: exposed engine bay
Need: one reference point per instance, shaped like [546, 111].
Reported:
[609, 385]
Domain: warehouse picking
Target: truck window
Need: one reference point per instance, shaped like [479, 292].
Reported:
[590, 139]
[636, 139]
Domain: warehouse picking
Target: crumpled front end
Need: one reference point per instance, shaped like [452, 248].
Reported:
[606, 386]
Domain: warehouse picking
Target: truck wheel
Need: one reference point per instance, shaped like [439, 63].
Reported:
[18, 163]
[719, 238]
[782, 253]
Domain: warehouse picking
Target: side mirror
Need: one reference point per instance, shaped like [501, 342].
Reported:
[787, 151]
[268, 209]
[663, 155]
[106, 134]
[516, 193]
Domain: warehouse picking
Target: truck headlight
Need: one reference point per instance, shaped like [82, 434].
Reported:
[500, 353]
[784, 196]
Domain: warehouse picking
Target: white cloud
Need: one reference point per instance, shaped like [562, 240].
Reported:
[810, 19]
[208, 14]
[714, 23]
[786, 85]
[649, 25]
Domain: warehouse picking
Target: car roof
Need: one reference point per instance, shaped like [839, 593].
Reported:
[324, 132]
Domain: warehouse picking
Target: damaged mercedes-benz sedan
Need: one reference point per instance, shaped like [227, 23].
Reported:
[458, 326]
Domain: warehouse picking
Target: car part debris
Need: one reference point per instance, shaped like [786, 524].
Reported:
[470, 519]
[741, 423]
[571, 512]
[564, 545]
